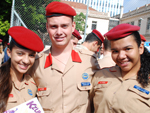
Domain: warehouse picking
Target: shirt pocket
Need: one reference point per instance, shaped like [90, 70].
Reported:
[83, 93]
[141, 96]
[12, 99]
[44, 98]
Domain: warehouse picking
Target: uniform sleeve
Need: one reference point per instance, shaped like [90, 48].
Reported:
[95, 80]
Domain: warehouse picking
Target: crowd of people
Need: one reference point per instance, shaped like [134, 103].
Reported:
[70, 78]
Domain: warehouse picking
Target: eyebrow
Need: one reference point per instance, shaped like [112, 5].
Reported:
[123, 47]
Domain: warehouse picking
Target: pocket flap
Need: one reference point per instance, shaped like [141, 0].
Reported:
[12, 98]
[43, 92]
[84, 86]
[140, 91]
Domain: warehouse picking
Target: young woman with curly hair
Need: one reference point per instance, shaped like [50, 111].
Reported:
[123, 88]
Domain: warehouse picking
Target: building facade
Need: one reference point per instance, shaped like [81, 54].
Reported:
[96, 20]
[112, 7]
[140, 17]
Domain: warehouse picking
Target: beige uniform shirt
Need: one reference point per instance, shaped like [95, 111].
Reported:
[20, 95]
[68, 91]
[106, 61]
[81, 47]
[114, 95]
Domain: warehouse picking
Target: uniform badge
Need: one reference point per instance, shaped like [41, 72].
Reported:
[42, 89]
[85, 83]
[85, 76]
[11, 95]
[102, 82]
[30, 92]
[141, 89]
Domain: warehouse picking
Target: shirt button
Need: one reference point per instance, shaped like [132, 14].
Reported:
[110, 108]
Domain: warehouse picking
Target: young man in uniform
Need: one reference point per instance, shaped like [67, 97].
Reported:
[75, 37]
[63, 75]
[107, 60]
[92, 42]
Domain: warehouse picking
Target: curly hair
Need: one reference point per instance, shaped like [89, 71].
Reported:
[143, 73]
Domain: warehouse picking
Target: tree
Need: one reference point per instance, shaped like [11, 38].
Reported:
[80, 22]
[5, 13]
[32, 12]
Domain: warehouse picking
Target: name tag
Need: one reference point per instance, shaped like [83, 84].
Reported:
[141, 89]
[42, 89]
[102, 82]
[85, 83]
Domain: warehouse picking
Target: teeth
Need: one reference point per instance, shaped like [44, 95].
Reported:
[123, 62]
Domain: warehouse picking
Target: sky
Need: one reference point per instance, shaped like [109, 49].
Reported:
[133, 4]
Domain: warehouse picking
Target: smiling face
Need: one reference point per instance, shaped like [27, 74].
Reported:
[60, 29]
[126, 54]
[21, 59]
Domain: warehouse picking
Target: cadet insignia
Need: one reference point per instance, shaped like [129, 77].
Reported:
[30, 92]
[85, 76]
[42, 89]
[85, 83]
[102, 82]
[11, 95]
[141, 89]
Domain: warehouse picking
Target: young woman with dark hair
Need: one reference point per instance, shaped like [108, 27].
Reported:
[16, 86]
[123, 88]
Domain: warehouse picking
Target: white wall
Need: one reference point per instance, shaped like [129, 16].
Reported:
[102, 25]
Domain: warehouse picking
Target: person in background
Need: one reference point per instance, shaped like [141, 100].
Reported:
[1, 52]
[62, 74]
[6, 57]
[143, 39]
[92, 42]
[107, 60]
[75, 37]
[16, 86]
[101, 51]
[124, 88]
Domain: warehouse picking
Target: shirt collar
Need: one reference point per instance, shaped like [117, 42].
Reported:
[75, 58]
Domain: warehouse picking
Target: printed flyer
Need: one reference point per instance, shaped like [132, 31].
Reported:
[31, 106]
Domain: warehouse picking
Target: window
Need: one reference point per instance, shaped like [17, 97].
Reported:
[132, 23]
[148, 23]
[139, 23]
[94, 24]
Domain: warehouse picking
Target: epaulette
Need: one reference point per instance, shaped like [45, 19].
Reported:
[113, 69]
[40, 54]
[87, 52]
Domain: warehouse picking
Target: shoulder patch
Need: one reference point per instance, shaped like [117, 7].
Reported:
[112, 69]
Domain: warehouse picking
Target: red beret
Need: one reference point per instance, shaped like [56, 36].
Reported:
[1, 40]
[26, 38]
[120, 31]
[142, 38]
[58, 9]
[76, 34]
[98, 35]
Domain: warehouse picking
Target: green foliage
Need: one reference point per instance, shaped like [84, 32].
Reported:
[80, 21]
[4, 26]
[32, 13]
[5, 12]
